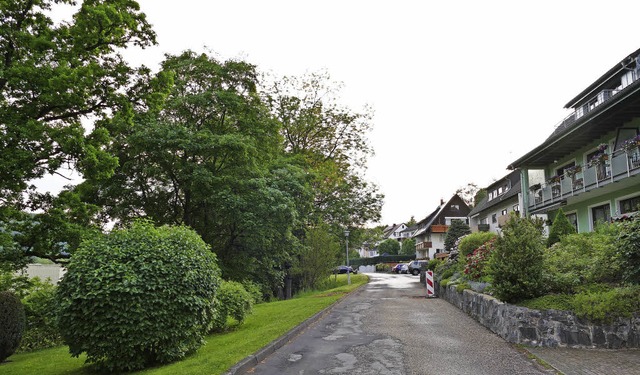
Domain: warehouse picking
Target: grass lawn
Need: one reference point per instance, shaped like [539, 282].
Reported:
[268, 322]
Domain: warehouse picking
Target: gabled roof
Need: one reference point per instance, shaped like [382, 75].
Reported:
[576, 132]
[426, 223]
[516, 188]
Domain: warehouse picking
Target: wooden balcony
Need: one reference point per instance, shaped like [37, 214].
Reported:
[424, 245]
[438, 228]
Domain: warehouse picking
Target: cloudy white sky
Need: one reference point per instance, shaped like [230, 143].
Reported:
[459, 88]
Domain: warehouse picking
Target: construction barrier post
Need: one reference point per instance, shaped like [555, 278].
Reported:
[430, 289]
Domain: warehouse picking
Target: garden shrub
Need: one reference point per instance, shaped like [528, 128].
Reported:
[232, 300]
[584, 258]
[12, 323]
[138, 297]
[433, 264]
[473, 241]
[457, 229]
[476, 261]
[629, 243]
[560, 227]
[516, 261]
[40, 310]
[383, 267]
[255, 291]
[604, 306]
[462, 286]
[550, 302]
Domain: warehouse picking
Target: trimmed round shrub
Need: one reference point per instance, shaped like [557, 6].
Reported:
[138, 297]
[12, 323]
[516, 261]
[473, 241]
[233, 301]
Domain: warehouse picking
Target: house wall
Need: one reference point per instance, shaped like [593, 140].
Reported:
[610, 194]
[497, 210]
[583, 208]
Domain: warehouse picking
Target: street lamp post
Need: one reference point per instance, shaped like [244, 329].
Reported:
[346, 235]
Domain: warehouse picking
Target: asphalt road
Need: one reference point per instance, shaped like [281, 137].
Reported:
[389, 327]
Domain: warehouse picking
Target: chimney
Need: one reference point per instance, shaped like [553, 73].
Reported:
[441, 201]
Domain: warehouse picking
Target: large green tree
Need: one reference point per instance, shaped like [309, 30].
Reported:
[207, 154]
[61, 84]
[55, 75]
[332, 141]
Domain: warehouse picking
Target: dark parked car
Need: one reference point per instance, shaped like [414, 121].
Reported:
[414, 266]
[343, 269]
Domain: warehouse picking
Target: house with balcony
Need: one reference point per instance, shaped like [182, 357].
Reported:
[395, 232]
[432, 230]
[590, 163]
[493, 211]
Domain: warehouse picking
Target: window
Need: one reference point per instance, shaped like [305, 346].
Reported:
[494, 218]
[500, 191]
[629, 205]
[516, 208]
[560, 171]
[600, 214]
[573, 219]
[504, 212]
[455, 206]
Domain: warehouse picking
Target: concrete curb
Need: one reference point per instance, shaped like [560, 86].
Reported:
[254, 359]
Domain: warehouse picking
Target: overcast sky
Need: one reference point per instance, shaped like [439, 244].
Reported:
[460, 89]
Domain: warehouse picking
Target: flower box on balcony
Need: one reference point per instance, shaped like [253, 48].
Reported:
[439, 228]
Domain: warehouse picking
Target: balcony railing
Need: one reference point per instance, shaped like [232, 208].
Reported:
[424, 245]
[438, 228]
[623, 164]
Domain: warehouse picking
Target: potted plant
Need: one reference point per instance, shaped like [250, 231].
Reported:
[571, 171]
[554, 180]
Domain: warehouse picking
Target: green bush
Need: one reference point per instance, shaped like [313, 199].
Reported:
[434, 263]
[457, 229]
[517, 260]
[584, 258]
[550, 302]
[138, 297]
[255, 290]
[473, 241]
[40, 310]
[462, 286]
[232, 300]
[12, 322]
[607, 305]
[560, 227]
[476, 262]
[383, 267]
[629, 243]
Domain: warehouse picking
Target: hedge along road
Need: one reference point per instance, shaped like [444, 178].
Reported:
[389, 327]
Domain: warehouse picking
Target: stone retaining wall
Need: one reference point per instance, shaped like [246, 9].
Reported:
[550, 328]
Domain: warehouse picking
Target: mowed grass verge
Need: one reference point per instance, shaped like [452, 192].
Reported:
[268, 322]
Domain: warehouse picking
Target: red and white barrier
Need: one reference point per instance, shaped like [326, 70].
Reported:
[430, 289]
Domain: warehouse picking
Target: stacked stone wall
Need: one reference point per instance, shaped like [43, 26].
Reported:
[548, 328]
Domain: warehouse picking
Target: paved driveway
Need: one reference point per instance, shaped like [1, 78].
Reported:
[389, 327]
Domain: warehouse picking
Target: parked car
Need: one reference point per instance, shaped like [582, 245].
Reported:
[415, 265]
[400, 268]
[343, 269]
